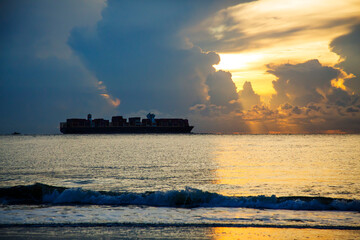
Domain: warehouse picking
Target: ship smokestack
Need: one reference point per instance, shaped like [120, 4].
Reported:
[151, 117]
[89, 118]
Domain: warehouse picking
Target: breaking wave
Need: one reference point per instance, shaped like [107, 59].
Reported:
[189, 198]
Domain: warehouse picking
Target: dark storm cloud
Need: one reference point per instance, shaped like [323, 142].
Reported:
[40, 82]
[223, 99]
[137, 51]
[140, 54]
[41, 27]
[348, 47]
[222, 89]
[302, 83]
[340, 97]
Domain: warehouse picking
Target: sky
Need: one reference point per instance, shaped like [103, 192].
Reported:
[232, 66]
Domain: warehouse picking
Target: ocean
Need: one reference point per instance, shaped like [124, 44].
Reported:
[191, 186]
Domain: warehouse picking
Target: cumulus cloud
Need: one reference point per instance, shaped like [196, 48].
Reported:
[64, 59]
[348, 47]
[305, 102]
[301, 84]
[310, 97]
[222, 89]
[224, 110]
[248, 97]
[312, 118]
[223, 97]
[139, 52]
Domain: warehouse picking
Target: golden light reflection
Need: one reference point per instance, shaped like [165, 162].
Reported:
[281, 233]
[267, 165]
[227, 157]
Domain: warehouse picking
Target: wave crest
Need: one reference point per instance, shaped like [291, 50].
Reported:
[188, 198]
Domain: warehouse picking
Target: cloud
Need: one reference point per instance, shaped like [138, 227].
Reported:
[115, 102]
[41, 81]
[303, 83]
[268, 23]
[313, 118]
[247, 96]
[274, 31]
[340, 97]
[223, 97]
[63, 59]
[305, 102]
[348, 47]
[139, 52]
[287, 118]
[41, 28]
[222, 89]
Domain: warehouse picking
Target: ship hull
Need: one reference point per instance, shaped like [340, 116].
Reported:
[125, 130]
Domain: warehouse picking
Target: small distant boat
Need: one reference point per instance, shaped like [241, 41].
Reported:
[15, 133]
[119, 124]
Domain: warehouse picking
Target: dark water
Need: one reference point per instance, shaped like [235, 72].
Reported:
[203, 186]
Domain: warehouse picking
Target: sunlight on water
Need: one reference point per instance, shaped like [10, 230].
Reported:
[187, 180]
[320, 165]
[242, 165]
[280, 234]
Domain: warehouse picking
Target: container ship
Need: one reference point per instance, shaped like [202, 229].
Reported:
[119, 124]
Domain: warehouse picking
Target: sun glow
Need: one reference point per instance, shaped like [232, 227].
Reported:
[282, 31]
[236, 61]
[253, 66]
[247, 67]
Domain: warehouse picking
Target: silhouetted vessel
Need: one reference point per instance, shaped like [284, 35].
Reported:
[119, 124]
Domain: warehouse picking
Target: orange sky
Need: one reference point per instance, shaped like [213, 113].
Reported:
[317, 23]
